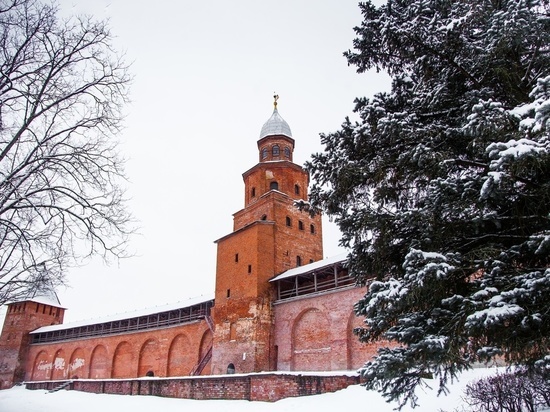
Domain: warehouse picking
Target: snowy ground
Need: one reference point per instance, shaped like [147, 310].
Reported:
[19, 399]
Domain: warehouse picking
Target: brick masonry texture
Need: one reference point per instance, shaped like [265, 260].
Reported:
[256, 387]
[316, 333]
[170, 351]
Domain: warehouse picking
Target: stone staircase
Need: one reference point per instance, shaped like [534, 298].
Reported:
[61, 386]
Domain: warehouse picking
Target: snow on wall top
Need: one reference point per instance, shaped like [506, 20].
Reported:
[128, 315]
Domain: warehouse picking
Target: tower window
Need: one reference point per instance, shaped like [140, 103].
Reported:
[274, 186]
[312, 228]
[288, 221]
[300, 225]
[264, 153]
[264, 217]
[287, 152]
[236, 257]
[276, 151]
[228, 293]
[253, 192]
[298, 261]
[249, 268]
[296, 189]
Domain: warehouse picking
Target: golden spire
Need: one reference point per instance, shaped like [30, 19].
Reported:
[275, 98]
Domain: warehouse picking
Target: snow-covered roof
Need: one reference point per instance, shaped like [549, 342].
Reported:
[300, 270]
[275, 125]
[129, 315]
[46, 297]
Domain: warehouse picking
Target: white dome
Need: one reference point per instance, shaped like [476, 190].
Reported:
[275, 125]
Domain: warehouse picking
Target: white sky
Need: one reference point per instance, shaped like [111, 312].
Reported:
[205, 73]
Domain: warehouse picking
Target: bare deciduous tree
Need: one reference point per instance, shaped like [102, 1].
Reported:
[62, 90]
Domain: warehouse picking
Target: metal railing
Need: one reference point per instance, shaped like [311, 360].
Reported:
[153, 321]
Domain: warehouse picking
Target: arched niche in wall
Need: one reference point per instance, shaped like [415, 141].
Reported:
[311, 341]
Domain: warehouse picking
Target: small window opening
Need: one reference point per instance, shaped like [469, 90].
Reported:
[288, 221]
[298, 261]
[253, 192]
[274, 186]
[287, 152]
[296, 189]
[228, 293]
[312, 228]
[264, 153]
[150, 373]
[230, 369]
[276, 151]
[264, 217]
[249, 268]
[310, 260]
[236, 257]
[300, 225]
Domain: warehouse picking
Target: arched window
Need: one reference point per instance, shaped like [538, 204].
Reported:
[264, 217]
[300, 225]
[264, 153]
[288, 221]
[297, 189]
[287, 152]
[312, 228]
[230, 369]
[298, 261]
[275, 151]
[274, 186]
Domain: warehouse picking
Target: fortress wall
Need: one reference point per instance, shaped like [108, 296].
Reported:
[267, 387]
[315, 333]
[171, 351]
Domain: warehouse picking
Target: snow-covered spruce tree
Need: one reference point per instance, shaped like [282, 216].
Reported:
[442, 188]
[62, 90]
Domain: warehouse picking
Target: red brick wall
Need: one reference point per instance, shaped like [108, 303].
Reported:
[257, 387]
[286, 174]
[171, 351]
[21, 318]
[315, 333]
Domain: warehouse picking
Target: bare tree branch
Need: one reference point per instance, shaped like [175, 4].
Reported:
[62, 90]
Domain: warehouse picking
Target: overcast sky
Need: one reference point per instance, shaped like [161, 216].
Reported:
[205, 73]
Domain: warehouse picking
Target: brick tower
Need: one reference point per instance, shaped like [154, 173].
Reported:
[270, 235]
[23, 317]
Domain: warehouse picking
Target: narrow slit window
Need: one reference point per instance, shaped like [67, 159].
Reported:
[288, 221]
[300, 225]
